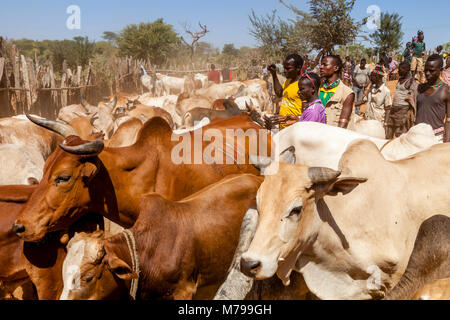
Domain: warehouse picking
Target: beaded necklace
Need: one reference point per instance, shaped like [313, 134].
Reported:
[331, 85]
[437, 85]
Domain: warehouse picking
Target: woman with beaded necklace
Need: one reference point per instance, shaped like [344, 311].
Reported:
[336, 97]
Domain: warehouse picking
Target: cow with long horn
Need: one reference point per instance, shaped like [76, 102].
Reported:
[84, 176]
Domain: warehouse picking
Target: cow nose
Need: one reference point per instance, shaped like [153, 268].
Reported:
[250, 267]
[18, 228]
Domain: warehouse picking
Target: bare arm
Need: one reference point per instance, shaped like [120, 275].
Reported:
[447, 116]
[277, 87]
[346, 112]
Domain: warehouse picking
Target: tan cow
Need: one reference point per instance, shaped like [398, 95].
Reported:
[350, 246]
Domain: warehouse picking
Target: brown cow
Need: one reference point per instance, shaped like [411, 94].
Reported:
[84, 176]
[27, 264]
[184, 248]
[429, 261]
[12, 268]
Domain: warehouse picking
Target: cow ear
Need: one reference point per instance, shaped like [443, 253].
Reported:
[121, 269]
[89, 172]
[344, 185]
[288, 155]
[260, 162]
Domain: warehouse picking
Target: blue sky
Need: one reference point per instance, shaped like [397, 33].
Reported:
[227, 20]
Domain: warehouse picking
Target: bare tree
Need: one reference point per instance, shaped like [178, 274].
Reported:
[195, 36]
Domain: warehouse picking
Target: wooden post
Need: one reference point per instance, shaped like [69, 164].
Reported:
[4, 109]
[54, 108]
[18, 107]
[78, 76]
[63, 92]
[26, 82]
[2, 67]
[33, 81]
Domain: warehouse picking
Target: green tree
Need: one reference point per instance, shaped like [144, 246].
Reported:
[389, 36]
[446, 47]
[229, 49]
[276, 37]
[329, 23]
[110, 36]
[84, 50]
[355, 51]
[155, 41]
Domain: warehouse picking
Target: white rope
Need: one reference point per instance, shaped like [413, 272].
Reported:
[134, 260]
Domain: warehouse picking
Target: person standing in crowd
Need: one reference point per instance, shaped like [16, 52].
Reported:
[438, 50]
[445, 74]
[291, 105]
[347, 71]
[313, 110]
[360, 82]
[393, 64]
[378, 99]
[254, 72]
[433, 100]
[226, 74]
[407, 53]
[401, 117]
[336, 97]
[419, 48]
[214, 75]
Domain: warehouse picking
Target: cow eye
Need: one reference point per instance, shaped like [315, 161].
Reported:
[62, 179]
[296, 211]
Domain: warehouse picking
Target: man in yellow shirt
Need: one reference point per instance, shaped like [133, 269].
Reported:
[290, 108]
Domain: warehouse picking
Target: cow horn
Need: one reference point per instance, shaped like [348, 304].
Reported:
[91, 148]
[113, 103]
[59, 128]
[321, 174]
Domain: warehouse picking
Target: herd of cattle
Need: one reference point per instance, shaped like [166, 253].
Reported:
[92, 205]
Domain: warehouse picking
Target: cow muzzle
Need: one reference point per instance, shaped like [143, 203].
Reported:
[250, 267]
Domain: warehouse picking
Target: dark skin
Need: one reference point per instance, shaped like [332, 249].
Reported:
[291, 72]
[308, 94]
[329, 70]
[432, 74]
[404, 75]
[362, 66]
[377, 80]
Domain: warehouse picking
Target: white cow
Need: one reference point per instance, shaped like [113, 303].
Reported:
[146, 80]
[322, 145]
[167, 103]
[203, 79]
[20, 165]
[171, 84]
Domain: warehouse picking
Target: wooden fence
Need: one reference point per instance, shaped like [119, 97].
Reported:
[28, 85]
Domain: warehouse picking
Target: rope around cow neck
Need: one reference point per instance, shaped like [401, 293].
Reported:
[131, 243]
